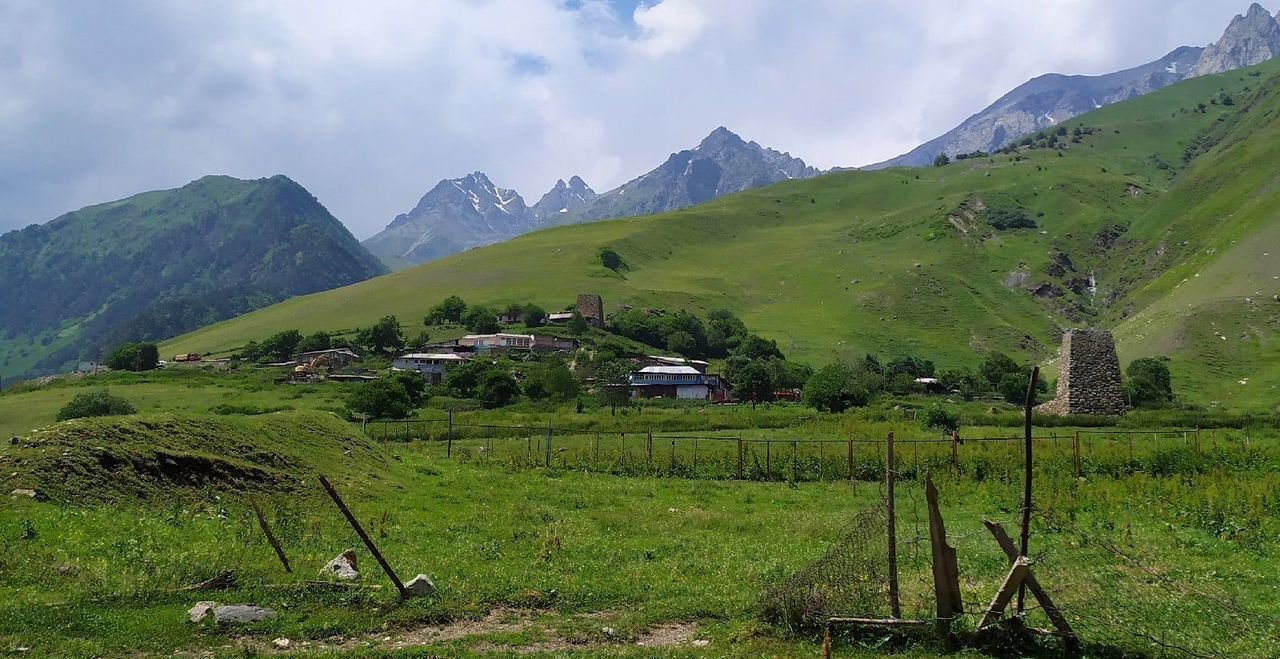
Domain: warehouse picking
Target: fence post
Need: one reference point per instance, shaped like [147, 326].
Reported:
[768, 459]
[549, 431]
[1075, 448]
[449, 441]
[1026, 482]
[695, 456]
[851, 470]
[597, 458]
[1197, 440]
[795, 461]
[1130, 434]
[955, 449]
[649, 446]
[891, 527]
[740, 466]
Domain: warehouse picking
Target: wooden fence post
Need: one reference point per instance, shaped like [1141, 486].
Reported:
[1075, 448]
[271, 538]
[449, 441]
[891, 528]
[795, 461]
[649, 446]
[851, 466]
[549, 432]
[373, 549]
[1026, 480]
[1130, 434]
[1197, 440]
[740, 457]
[955, 449]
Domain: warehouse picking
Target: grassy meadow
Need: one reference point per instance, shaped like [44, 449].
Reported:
[606, 552]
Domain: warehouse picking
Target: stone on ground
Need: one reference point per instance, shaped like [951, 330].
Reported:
[343, 566]
[236, 614]
[22, 492]
[420, 586]
[282, 643]
[201, 610]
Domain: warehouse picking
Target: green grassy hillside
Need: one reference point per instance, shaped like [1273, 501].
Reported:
[911, 260]
[165, 262]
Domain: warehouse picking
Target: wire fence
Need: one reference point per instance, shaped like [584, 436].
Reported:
[724, 455]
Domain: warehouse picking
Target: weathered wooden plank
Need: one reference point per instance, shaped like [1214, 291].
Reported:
[1050, 609]
[1017, 574]
[946, 568]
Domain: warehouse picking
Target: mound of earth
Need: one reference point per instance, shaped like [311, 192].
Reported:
[154, 456]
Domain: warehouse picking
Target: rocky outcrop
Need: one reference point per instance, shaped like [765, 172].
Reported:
[1088, 376]
[563, 198]
[1251, 38]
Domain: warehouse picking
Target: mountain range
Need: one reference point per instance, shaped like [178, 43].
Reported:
[1051, 99]
[162, 263]
[462, 213]
[1155, 218]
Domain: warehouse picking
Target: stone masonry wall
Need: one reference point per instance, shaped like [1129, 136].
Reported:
[1089, 376]
[591, 306]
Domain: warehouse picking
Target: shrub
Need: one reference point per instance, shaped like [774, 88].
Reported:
[941, 160]
[481, 320]
[610, 259]
[835, 388]
[383, 337]
[752, 382]
[937, 416]
[96, 403]
[497, 390]
[1149, 382]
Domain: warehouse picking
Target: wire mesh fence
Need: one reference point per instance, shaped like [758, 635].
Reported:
[728, 456]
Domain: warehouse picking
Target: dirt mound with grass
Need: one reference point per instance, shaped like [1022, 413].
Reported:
[154, 456]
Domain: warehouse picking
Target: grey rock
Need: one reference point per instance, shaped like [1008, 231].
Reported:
[563, 199]
[239, 614]
[1251, 38]
[23, 492]
[343, 566]
[420, 586]
[201, 610]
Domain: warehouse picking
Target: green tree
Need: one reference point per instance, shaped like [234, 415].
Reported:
[142, 356]
[969, 384]
[95, 403]
[941, 160]
[414, 384]
[278, 347]
[682, 343]
[534, 315]
[449, 310]
[383, 337]
[380, 399]
[465, 379]
[610, 259]
[551, 379]
[757, 347]
[787, 375]
[480, 320]
[836, 388]
[313, 342]
[498, 389]
[996, 366]
[613, 383]
[1013, 387]
[577, 324]
[420, 341]
[1149, 383]
[752, 382]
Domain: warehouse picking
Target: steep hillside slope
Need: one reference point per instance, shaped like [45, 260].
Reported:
[1051, 99]
[941, 261]
[162, 263]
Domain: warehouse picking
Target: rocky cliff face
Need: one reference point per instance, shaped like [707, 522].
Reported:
[563, 198]
[723, 163]
[456, 215]
[1251, 38]
[471, 211]
[1053, 98]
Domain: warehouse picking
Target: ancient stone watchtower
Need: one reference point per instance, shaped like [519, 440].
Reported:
[591, 306]
[1088, 376]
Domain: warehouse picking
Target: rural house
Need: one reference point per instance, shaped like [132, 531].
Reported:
[433, 365]
[502, 342]
[682, 382]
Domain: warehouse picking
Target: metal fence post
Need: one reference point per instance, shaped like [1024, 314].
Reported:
[955, 449]
[768, 466]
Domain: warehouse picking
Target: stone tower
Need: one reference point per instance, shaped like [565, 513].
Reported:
[591, 306]
[1088, 376]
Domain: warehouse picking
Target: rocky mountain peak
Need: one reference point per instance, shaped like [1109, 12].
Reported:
[1251, 38]
[720, 139]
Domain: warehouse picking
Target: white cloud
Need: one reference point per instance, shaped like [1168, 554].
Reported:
[368, 107]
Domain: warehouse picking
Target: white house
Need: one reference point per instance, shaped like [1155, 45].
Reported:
[434, 365]
[683, 382]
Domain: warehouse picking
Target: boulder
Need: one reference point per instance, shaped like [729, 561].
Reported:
[282, 643]
[239, 614]
[343, 566]
[201, 611]
[20, 492]
[420, 586]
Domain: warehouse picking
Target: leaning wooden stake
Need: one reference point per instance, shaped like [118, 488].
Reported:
[1050, 609]
[889, 476]
[1026, 477]
[271, 538]
[373, 549]
[1017, 575]
[946, 569]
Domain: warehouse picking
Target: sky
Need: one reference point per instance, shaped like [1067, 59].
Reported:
[368, 105]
